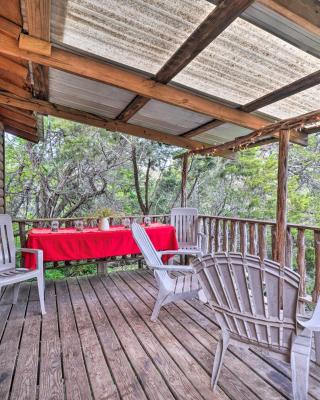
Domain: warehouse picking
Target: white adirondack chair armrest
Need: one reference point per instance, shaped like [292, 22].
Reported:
[178, 268]
[314, 322]
[177, 252]
[38, 253]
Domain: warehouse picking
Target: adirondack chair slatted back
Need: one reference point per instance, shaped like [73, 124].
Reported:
[256, 301]
[149, 252]
[185, 220]
[7, 244]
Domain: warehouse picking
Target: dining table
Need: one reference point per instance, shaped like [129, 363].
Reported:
[69, 244]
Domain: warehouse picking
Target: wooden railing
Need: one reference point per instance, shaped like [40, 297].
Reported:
[232, 234]
[258, 237]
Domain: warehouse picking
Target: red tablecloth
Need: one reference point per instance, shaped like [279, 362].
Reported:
[67, 244]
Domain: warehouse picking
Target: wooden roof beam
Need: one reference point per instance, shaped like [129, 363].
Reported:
[21, 133]
[14, 89]
[113, 75]
[296, 125]
[47, 108]
[9, 28]
[304, 13]
[215, 23]
[272, 97]
[19, 126]
[10, 113]
[38, 16]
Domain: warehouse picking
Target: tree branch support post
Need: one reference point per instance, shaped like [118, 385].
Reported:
[184, 175]
[281, 227]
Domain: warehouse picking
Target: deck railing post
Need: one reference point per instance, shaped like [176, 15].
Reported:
[281, 228]
[184, 175]
[316, 290]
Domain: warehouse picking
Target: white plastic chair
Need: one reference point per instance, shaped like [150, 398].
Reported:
[170, 289]
[255, 304]
[9, 274]
[186, 222]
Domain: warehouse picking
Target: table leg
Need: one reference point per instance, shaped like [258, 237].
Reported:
[102, 267]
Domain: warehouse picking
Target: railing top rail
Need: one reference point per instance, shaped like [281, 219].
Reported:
[260, 221]
[86, 217]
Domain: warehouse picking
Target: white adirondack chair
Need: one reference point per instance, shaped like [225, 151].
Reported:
[186, 222]
[170, 289]
[9, 274]
[255, 304]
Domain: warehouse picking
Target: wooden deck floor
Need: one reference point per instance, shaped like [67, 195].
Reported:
[97, 342]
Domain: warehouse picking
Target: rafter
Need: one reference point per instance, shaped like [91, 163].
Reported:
[215, 23]
[123, 78]
[47, 108]
[279, 94]
[38, 15]
[295, 125]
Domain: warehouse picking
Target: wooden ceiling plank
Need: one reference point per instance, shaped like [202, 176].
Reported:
[17, 125]
[92, 69]
[38, 17]
[263, 101]
[12, 88]
[22, 134]
[296, 125]
[214, 24]
[304, 13]
[17, 116]
[10, 9]
[15, 68]
[9, 28]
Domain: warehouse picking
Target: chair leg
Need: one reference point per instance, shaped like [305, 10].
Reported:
[16, 288]
[40, 281]
[300, 360]
[317, 346]
[219, 356]
[160, 299]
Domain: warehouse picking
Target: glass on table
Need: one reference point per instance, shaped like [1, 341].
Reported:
[54, 226]
[126, 222]
[79, 226]
[147, 221]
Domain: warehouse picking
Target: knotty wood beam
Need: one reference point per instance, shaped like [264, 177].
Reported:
[30, 43]
[38, 17]
[21, 134]
[17, 125]
[15, 68]
[184, 177]
[304, 13]
[215, 23]
[9, 113]
[92, 69]
[12, 88]
[9, 28]
[47, 108]
[282, 194]
[292, 124]
[10, 9]
[272, 97]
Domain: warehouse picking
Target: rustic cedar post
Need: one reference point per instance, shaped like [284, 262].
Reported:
[281, 228]
[184, 173]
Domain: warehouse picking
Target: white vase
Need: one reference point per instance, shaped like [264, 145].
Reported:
[104, 224]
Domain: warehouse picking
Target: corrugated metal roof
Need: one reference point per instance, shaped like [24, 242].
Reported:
[167, 118]
[242, 64]
[87, 95]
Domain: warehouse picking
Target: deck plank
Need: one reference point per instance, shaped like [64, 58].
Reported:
[9, 345]
[125, 378]
[99, 374]
[97, 342]
[25, 379]
[75, 375]
[51, 376]
[199, 342]
[203, 315]
[151, 380]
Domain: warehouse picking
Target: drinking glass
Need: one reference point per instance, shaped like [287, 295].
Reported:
[147, 221]
[79, 225]
[126, 222]
[54, 226]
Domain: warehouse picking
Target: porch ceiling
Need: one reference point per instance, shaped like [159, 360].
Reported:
[174, 69]
[242, 64]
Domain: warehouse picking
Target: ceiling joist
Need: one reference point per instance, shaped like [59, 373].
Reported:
[279, 94]
[112, 75]
[215, 23]
[47, 108]
[296, 125]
